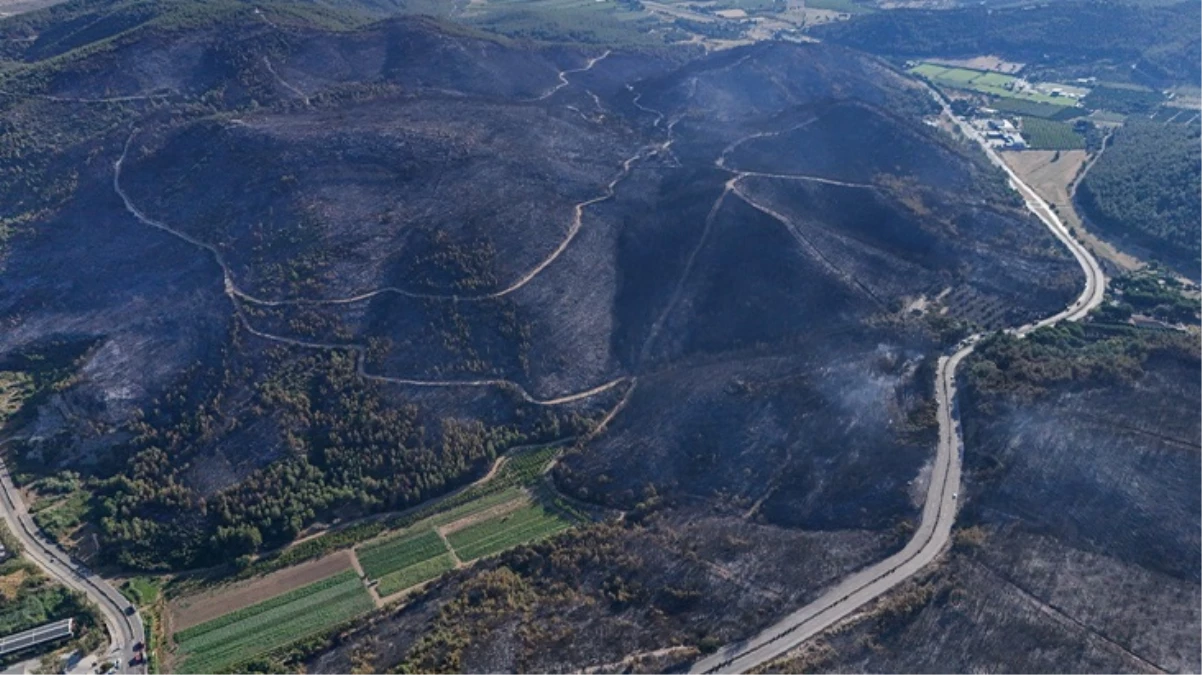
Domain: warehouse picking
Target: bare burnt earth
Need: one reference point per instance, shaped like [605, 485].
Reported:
[1078, 549]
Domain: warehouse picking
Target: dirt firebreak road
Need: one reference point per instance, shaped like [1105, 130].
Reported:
[939, 511]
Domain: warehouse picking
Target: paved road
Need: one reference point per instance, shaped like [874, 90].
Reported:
[124, 629]
[939, 511]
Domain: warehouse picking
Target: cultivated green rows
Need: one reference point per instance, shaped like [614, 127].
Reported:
[398, 553]
[238, 636]
[503, 532]
[416, 573]
[1050, 135]
[412, 558]
[418, 554]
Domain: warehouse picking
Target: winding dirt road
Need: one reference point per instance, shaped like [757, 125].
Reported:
[237, 295]
[563, 76]
[939, 511]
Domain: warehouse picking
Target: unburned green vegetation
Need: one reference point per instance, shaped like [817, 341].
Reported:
[506, 531]
[501, 505]
[846, 6]
[1159, 296]
[226, 641]
[390, 555]
[997, 85]
[1044, 134]
[28, 598]
[1145, 189]
[1024, 368]
[415, 574]
[1126, 101]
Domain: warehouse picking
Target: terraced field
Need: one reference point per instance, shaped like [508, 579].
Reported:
[228, 640]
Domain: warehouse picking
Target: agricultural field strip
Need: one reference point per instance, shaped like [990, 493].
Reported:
[982, 81]
[410, 559]
[503, 532]
[260, 632]
[520, 469]
[399, 553]
[283, 604]
[415, 574]
[249, 645]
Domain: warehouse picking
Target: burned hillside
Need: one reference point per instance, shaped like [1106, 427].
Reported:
[315, 275]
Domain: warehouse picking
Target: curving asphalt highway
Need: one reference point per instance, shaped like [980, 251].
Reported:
[120, 617]
[939, 511]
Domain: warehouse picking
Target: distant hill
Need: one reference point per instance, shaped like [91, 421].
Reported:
[1161, 43]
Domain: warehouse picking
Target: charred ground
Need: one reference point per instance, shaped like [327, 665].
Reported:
[1077, 547]
[341, 270]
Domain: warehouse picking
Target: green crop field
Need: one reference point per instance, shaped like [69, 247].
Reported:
[959, 75]
[847, 6]
[400, 552]
[994, 79]
[416, 553]
[231, 639]
[1044, 134]
[982, 82]
[415, 574]
[928, 70]
[503, 532]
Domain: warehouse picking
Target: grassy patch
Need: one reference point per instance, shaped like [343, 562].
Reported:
[503, 532]
[522, 468]
[1044, 134]
[415, 574]
[238, 636]
[1108, 116]
[142, 591]
[60, 516]
[401, 552]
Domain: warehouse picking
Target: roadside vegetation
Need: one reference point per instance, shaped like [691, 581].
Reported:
[1060, 355]
[28, 598]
